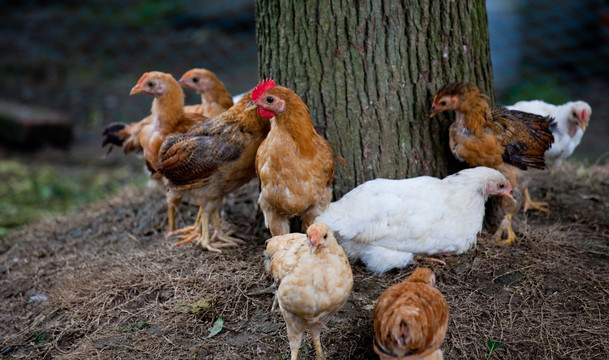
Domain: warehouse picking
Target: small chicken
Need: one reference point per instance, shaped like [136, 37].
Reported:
[167, 117]
[411, 319]
[314, 278]
[210, 161]
[295, 165]
[568, 127]
[215, 99]
[507, 140]
[386, 222]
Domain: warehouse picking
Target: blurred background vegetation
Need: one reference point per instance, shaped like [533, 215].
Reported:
[82, 58]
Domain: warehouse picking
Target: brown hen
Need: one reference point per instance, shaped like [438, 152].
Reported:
[411, 319]
[507, 140]
[167, 117]
[295, 165]
[215, 99]
[210, 161]
[314, 278]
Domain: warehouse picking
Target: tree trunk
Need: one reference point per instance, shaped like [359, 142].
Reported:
[368, 70]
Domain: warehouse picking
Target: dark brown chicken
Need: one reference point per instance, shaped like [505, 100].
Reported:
[411, 319]
[507, 140]
[208, 162]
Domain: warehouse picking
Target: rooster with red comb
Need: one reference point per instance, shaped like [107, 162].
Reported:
[210, 161]
[295, 165]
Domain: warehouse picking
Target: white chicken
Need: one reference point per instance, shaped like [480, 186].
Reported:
[570, 122]
[386, 222]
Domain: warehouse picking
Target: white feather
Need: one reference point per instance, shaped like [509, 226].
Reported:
[385, 222]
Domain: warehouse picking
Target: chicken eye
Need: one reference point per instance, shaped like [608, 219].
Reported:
[501, 186]
[325, 236]
[195, 80]
[150, 84]
[270, 99]
[443, 102]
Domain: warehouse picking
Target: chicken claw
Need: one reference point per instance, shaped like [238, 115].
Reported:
[221, 235]
[533, 205]
[429, 259]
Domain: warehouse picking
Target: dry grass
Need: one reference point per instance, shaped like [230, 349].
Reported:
[115, 288]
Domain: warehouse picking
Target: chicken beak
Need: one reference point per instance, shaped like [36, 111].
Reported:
[314, 240]
[583, 125]
[510, 195]
[136, 90]
[251, 105]
[432, 111]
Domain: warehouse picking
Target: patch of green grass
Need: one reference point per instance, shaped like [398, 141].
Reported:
[131, 328]
[29, 192]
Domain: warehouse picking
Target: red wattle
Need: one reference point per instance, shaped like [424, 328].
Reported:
[267, 114]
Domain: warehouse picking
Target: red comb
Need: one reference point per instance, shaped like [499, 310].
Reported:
[141, 80]
[261, 88]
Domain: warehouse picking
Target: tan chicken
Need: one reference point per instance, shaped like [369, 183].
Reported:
[210, 161]
[411, 319]
[314, 278]
[215, 99]
[167, 117]
[507, 140]
[295, 165]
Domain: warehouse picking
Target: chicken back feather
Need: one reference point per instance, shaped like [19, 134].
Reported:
[386, 222]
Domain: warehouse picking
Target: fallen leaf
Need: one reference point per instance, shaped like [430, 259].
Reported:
[216, 328]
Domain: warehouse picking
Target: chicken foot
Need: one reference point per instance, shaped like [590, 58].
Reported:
[199, 233]
[533, 205]
[429, 259]
[505, 228]
[189, 233]
[220, 234]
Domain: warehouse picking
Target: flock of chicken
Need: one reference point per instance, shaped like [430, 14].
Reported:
[203, 152]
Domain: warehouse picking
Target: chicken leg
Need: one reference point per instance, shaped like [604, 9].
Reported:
[505, 228]
[199, 233]
[296, 328]
[171, 215]
[220, 234]
[315, 334]
[533, 205]
[188, 233]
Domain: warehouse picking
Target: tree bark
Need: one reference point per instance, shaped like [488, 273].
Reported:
[368, 70]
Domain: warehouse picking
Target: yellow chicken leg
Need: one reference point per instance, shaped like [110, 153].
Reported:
[204, 240]
[319, 351]
[189, 233]
[171, 215]
[533, 205]
[220, 234]
[505, 228]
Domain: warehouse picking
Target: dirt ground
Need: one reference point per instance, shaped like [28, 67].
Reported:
[107, 284]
